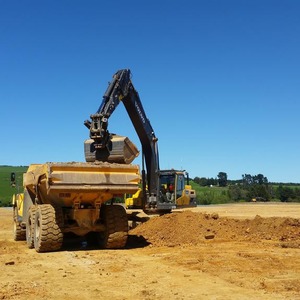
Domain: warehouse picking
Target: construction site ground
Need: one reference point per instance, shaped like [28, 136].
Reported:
[233, 251]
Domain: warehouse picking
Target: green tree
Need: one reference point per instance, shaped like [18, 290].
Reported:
[284, 193]
[222, 179]
[197, 180]
[212, 181]
[260, 179]
[256, 186]
[235, 192]
[297, 194]
[201, 181]
[247, 179]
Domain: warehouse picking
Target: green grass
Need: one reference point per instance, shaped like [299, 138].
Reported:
[292, 186]
[6, 190]
[210, 195]
[219, 195]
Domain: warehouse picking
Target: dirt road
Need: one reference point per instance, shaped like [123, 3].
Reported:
[242, 251]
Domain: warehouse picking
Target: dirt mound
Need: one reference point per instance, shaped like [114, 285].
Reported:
[189, 228]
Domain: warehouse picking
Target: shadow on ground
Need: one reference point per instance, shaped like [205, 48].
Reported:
[90, 242]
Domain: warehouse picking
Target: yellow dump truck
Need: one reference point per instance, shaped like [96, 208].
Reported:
[73, 197]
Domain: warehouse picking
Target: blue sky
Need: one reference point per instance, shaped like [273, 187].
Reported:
[219, 80]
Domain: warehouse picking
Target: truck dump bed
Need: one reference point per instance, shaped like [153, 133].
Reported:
[63, 184]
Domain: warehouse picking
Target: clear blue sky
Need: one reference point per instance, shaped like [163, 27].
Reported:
[219, 80]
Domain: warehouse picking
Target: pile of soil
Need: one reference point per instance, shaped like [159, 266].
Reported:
[190, 228]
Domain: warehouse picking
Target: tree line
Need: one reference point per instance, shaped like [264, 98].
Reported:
[252, 188]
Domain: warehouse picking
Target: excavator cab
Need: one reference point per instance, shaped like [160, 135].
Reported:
[175, 190]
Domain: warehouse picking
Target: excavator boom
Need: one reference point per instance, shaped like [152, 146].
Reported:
[121, 89]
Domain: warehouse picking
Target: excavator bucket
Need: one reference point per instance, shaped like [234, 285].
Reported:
[120, 150]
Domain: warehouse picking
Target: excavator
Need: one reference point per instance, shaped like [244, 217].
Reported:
[79, 197]
[161, 190]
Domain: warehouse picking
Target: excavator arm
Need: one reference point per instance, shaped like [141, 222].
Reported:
[111, 99]
[122, 89]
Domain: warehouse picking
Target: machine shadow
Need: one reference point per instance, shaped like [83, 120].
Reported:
[136, 241]
[75, 243]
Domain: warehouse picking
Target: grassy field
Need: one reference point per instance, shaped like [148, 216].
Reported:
[6, 190]
[210, 195]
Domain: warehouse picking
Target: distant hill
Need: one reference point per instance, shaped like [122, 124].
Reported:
[6, 189]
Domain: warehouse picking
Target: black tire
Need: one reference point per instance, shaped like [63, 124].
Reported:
[48, 235]
[19, 232]
[115, 220]
[30, 227]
